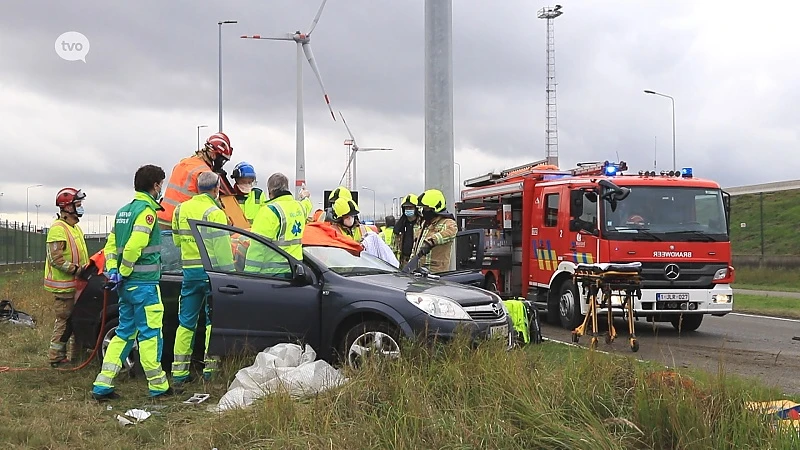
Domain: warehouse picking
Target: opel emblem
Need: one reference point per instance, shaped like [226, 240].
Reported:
[672, 271]
[496, 309]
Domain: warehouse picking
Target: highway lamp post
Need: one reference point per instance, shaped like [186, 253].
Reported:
[647, 91]
[37, 216]
[373, 200]
[219, 76]
[198, 134]
[27, 221]
[1, 195]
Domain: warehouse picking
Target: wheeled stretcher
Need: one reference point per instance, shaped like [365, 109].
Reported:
[599, 282]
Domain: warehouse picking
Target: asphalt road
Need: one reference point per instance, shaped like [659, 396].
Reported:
[751, 346]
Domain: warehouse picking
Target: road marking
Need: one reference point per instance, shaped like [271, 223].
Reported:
[764, 317]
[572, 344]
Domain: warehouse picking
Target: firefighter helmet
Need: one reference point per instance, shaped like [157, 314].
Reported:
[410, 200]
[344, 207]
[434, 199]
[68, 196]
[220, 144]
[340, 192]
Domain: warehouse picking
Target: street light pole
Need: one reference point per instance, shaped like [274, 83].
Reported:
[220, 69]
[27, 221]
[198, 134]
[37, 216]
[647, 91]
[373, 200]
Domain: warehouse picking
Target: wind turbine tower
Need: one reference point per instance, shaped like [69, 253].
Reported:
[551, 112]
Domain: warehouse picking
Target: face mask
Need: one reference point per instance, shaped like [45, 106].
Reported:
[349, 221]
[219, 162]
[79, 211]
[245, 188]
[409, 212]
[428, 214]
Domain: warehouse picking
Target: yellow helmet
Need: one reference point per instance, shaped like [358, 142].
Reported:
[344, 207]
[339, 192]
[434, 199]
[410, 200]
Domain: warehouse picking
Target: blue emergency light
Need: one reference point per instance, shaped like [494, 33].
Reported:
[686, 172]
[612, 169]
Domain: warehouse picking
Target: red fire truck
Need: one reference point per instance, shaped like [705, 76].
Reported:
[540, 222]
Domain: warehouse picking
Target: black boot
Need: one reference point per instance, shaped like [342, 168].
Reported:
[105, 397]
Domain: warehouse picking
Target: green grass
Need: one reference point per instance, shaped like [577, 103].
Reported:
[781, 218]
[768, 279]
[544, 396]
[770, 306]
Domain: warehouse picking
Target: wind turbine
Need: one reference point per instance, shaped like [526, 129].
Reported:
[354, 149]
[303, 47]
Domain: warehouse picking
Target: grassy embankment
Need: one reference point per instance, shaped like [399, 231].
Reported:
[546, 396]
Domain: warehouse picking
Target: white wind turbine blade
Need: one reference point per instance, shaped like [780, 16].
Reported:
[286, 37]
[352, 157]
[373, 149]
[313, 64]
[348, 129]
[316, 18]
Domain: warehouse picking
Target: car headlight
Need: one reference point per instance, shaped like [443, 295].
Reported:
[721, 273]
[441, 307]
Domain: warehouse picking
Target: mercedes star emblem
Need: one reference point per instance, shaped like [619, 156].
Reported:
[672, 271]
[496, 309]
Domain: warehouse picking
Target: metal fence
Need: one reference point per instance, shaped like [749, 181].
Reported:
[764, 228]
[22, 244]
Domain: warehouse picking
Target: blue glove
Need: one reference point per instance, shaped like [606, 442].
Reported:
[114, 278]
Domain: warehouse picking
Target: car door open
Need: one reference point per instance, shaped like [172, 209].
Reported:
[261, 296]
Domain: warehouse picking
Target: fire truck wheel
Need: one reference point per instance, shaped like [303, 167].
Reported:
[569, 306]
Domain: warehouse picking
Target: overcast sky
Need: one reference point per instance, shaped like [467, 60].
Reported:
[151, 77]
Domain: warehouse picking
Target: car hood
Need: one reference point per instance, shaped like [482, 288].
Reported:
[464, 295]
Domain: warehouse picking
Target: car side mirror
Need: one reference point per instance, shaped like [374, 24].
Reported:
[300, 275]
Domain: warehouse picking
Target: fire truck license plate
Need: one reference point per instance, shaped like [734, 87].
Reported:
[501, 330]
[673, 297]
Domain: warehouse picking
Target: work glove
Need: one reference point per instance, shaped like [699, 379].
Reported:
[424, 249]
[304, 193]
[114, 279]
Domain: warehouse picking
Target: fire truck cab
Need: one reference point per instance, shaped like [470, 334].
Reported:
[539, 222]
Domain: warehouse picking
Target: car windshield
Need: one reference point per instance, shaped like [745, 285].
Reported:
[345, 263]
[663, 213]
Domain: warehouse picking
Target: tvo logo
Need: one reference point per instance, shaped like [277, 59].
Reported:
[72, 46]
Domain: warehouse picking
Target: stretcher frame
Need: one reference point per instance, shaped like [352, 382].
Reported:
[598, 285]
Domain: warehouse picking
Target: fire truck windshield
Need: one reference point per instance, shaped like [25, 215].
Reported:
[664, 213]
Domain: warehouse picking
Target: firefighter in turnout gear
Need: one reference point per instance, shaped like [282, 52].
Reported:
[250, 197]
[345, 220]
[183, 179]
[133, 265]
[282, 220]
[196, 287]
[406, 230]
[66, 256]
[336, 194]
[437, 232]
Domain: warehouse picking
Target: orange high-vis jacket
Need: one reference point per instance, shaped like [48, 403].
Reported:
[182, 185]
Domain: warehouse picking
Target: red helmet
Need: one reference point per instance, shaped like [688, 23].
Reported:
[68, 196]
[220, 144]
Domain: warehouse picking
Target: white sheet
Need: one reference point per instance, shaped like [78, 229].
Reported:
[377, 247]
[284, 367]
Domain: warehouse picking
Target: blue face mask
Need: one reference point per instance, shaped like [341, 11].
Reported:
[409, 212]
[79, 211]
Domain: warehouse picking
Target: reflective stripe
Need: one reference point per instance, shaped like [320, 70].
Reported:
[111, 256]
[208, 212]
[181, 189]
[184, 232]
[160, 380]
[59, 284]
[146, 267]
[180, 367]
[102, 379]
[152, 373]
[192, 262]
[110, 367]
[128, 264]
[170, 201]
[57, 346]
[151, 249]
[284, 243]
[142, 228]
[216, 234]
[182, 358]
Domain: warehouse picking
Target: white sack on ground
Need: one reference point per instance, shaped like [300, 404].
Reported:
[284, 367]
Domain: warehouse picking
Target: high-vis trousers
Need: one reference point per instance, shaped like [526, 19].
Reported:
[194, 295]
[140, 317]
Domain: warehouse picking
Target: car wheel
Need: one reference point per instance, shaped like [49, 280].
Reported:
[129, 364]
[569, 306]
[370, 338]
[691, 322]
